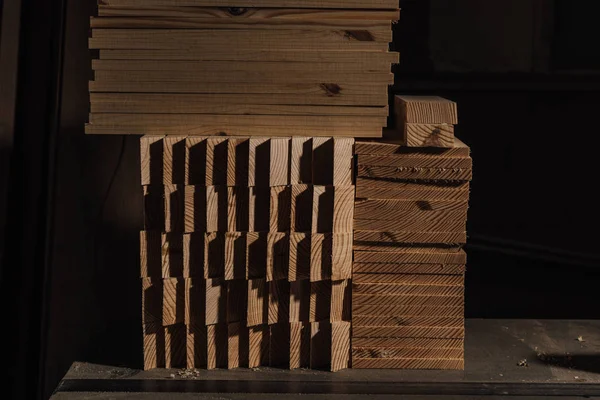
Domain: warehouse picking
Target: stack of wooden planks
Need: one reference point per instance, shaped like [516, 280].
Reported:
[408, 280]
[246, 255]
[260, 67]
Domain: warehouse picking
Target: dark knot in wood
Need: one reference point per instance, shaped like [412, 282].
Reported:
[331, 89]
[359, 35]
[237, 11]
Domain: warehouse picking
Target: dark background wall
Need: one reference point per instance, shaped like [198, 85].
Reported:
[524, 75]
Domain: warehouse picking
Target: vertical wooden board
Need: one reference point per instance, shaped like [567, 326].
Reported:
[196, 208]
[174, 160]
[427, 135]
[216, 161]
[279, 302]
[235, 255]
[214, 255]
[173, 301]
[426, 110]
[301, 160]
[320, 345]
[174, 208]
[300, 301]
[301, 208]
[237, 300]
[322, 161]
[195, 161]
[259, 162]
[175, 346]
[151, 162]
[154, 208]
[321, 249]
[217, 346]
[320, 301]
[341, 301]
[280, 209]
[259, 346]
[150, 254]
[237, 161]
[343, 161]
[216, 208]
[341, 258]
[259, 200]
[172, 255]
[343, 209]
[258, 302]
[196, 346]
[238, 211]
[195, 299]
[154, 346]
[300, 255]
[279, 161]
[278, 256]
[256, 255]
[340, 345]
[280, 345]
[238, 346]
[216, 302]
[193, 255]
[299, 345]
[152, 301]
[323, 207]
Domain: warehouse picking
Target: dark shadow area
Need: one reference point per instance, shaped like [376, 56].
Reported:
[239, 257]
[219, 171]
[327, 256]
[284, 205]
[154, 208]
[195, 251]
[222, 208]
[306, 162]
[280, 346]
[242, 153]
[242, 211]
[156, 164]
[175, 254]
[303, 257]
[215, 255]
[262, 164]
[325, 211]
[574, 362]
[257, 255]
[303, 209]
[281, 258]
[237, 301]
[322, 159]
[261, 202]
[200, 210]
[197, 164]
[178, 167]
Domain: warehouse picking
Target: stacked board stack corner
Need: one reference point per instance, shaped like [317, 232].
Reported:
[246, 255]
[245, 68]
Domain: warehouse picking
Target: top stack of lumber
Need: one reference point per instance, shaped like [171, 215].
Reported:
[249, 68]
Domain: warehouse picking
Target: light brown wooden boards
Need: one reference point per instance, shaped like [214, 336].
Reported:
[387, 147]
[426, 110]
[408, 363]
[407, 311]
[340, 345]
[428, 135]
[337, 4]
[409, 237]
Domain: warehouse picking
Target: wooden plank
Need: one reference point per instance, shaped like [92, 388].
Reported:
[343, 159]
[216, 158]
[428, 135]
[458, 174]
[154, 208]
[217, 346]
[408, 311]
[390, 321]
[216, 302]
[238, 212]
[172, 255]
[196, 208]
[365, 208]
[320, 345]
[235, 255]
[299, 345]
[407, 300]
[410, 237]
[238, 346]
[323, 209]
[415, 162]
[256, 252]
[343, 209]
[321, 256]
[214, 255]
[152, 301]
[412, 225]
[238, 152]
[258, 303]
[259, 162]
[395, 289]
[195, 160]
[399, 184]
[408, 363]
[406, 268]
[408, 343]
[429, 353]
[300, 301]
[193, 255]
[196, 346]
[150, 254]
[279, 302]
[320, 301]
[237, 301]
[409, 256]
[174, 160]
[341, 301]
[301, 156]
[340, 345]
[415, 216]
[376, 193]
[409, 279]
[426, 110]
[323, 161]
[409, 331]
[174, 208]
[175, 346]
[173, 301]
[151, 154]
[301, 208]
[154, 346]
[259, 204]
[341, 257]
[195, 298]
[259, 346]
[279, 161]
[279, 352]
[300, 256]
[278, 256]
[397, 147]
[280, 208]
[217, 209]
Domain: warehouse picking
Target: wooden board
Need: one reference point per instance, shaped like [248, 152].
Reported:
[279, 302]
[216, 209]
[300, 301]
[238, 208]
[195, 298]
[196, 208]
[412, 225]
[423, 194]
[238, 153]
[321, 250]
[413, 215]
[340, 345]
[391, 321]
[396, 289]
[216, 301]
[238, 345]
[406, 256]
[151, 163]
[338, 4]
[458, 174]
[299, 345]
[256, 252]
[323, 209]
[193, 255]
[174, 160]
[320, 301]
[408, 311]
[173, 301]
[280, 207]
[258, 302]
[172, 255]
[343, 159]
[237, 301]
[426, 353]
[408, 363]
[152, 301]
[150, 254]
[409, 279]
[320, 345]
[175, 346]
[428, 135]
[235, 255]
[259, 346]
[301, 158]
[397, 147]
[278, 256]
[196, 346]
[300, 256]
[409, 237]
[154, 345]
[408, 343]
[279, 352]
[393, 268]
[301, 207]
[279, 161]
[341, 257]
[174, 208]
[415, 162]
[259, 202]
[259, 162]
[407, 300]
[343, 208]
[214, 255]
[341, 301]
[217, 346]
[154, 208]
[366, 208]
[426, 110]
[408, 331]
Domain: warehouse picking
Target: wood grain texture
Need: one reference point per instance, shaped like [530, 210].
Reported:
[399, 184]
[175, 346]
[454, 174]
[151, 163]
[238, 211]
[440, 224]
[340, 345]
[238, 152]
[259, 162]
[321, 250]
[414, 269]
[300, 256]
[174, 208]
[408, 363]
[195, 298]
[278, 256]
[195, 160]
[409, 331]
[152, 301]
[235, 255]
[173, 301]
[174, 160]
[408, 311]
[259, 203]
[320, 301]
[216, 155]
[341, 257]
[214, 255]
[217, 209]
[341, 301]
[301, 209]
[196, 208]
[409, 279]
[217, 346]
[391, 321]
[323, 209]
[279, 161]
[415, 161]
[300, 301]
[343, 160]
[150, 254]
[154, 346]
[407, 300]
[397, 147]
[193, 255]
[258, 302]
[337, 4]
[279, 352]
[320, 345]
[428, 135]
[300, 345]
[408, 343]
[384, 353]
[279, 302]
[280, 209]
[406, 256]
[256, 255]
[376, 193]
[259, 346]
[237, 301]
[216, 301]
[396, 289]
[196, 346]
[343, 209]
[410, 237]
[301, 159]
[426, 110]
[238, 345]
[367, 208]
[172, 255]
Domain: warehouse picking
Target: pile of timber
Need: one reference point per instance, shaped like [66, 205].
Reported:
[408, 275]
[260, 67]
[246, 255]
